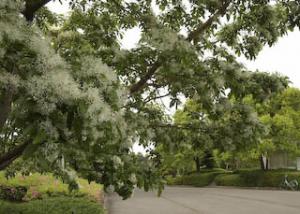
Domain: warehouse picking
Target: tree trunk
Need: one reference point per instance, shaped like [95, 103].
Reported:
[198, 164]
[208, 160]
[263, 165]
[226, 166]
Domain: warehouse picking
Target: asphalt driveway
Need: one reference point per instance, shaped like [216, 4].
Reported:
[186, 200]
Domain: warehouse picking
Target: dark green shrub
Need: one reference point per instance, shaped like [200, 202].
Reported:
[11, 193]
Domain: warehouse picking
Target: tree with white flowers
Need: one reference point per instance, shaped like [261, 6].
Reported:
[73, 102]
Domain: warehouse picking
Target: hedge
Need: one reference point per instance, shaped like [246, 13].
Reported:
[195, 179]
[256, 178]
[240, 178]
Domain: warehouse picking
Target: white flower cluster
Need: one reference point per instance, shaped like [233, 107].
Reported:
[166, 39]
[117, 161]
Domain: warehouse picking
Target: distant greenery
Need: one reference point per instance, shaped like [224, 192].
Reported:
[46, 194]
[234, 138]
[57, 205]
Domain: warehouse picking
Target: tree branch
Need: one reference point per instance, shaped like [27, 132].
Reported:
[180, 126]
[31, 6]
[140, 84]
[201, 28]
[155, 98]
[191, 37]
[9, 157]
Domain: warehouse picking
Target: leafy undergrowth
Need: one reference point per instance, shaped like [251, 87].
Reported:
[55, 205]
[46, 194]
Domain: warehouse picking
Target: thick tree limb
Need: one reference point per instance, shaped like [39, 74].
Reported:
[32, 6]
[192, 36]
[5, 106]
[9, 157]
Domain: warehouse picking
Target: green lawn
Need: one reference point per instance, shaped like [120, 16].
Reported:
[46, 194]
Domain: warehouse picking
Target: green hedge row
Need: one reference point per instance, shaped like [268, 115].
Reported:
[195, 179]
[256, 178]
[240, 178]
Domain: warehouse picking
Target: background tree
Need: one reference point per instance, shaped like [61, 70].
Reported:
[231, 130]
[281, 116]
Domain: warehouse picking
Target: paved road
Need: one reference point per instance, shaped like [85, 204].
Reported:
[185, 200]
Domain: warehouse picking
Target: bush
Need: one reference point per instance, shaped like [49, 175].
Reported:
[57, 205]
[54, 196]
[12, 193]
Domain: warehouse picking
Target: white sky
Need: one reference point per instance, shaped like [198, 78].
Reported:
[283, 57]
